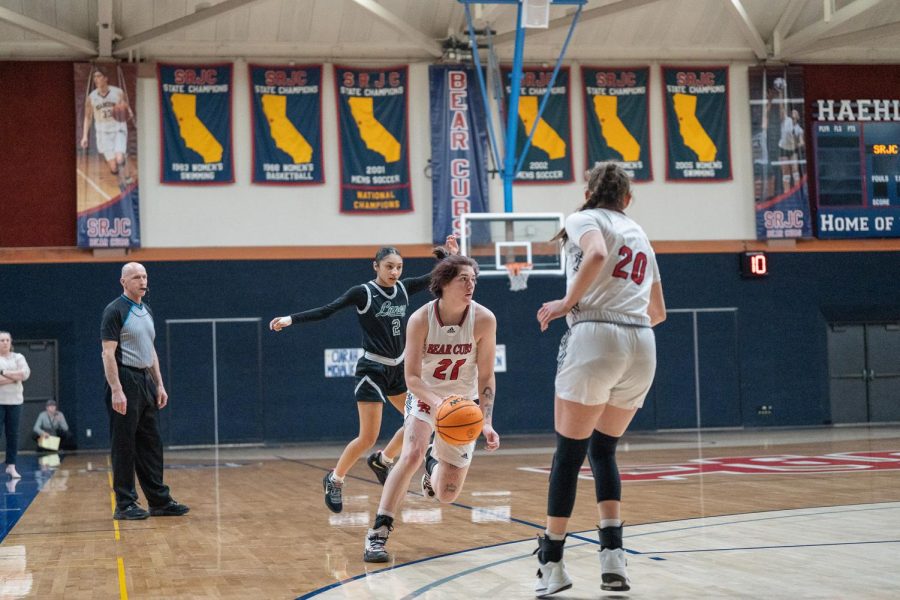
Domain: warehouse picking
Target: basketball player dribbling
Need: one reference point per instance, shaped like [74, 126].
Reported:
[111, 134]
[381, 305]
[451, 346]
[606, 363]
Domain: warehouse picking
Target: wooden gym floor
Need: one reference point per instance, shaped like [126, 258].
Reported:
[807, 513]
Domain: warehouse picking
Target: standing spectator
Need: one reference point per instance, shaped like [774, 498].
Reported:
[135, 394]
[13, 371]
[52, 422]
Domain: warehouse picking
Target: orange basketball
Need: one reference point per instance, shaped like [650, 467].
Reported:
[459, 420]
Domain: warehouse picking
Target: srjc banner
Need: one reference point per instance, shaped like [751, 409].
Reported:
[696, 113]
[106, 142]
[549, 157]
[372, 105]
[195, 117]
[287, 124]
[616, 116]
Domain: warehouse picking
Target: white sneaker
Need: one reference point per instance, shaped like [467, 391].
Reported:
[612, 567]
[551, 578]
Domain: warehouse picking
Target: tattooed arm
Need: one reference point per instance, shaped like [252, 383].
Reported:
[486, 341]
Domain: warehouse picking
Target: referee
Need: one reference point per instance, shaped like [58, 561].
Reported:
[134, 395]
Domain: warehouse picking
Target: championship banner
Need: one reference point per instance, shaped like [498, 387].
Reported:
[195, 118]
[374, 140]
[696, 113]
[458, 148]
[106, 143]
[287, 124]
[549, 158]
[780, 191]
[617, 118]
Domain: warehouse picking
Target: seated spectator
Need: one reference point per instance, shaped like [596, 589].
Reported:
[52, 422]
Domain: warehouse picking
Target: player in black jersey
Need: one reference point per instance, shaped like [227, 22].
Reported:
[381, 305]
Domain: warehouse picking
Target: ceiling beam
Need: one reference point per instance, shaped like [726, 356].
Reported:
[785, 23]
[813, 33]
[200, 16]
[417, 37]
[586, 15]
[41, 28]
[856, 37]
[748, 29]
[106, 28]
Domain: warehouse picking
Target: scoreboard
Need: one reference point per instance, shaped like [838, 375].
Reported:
[857, 179]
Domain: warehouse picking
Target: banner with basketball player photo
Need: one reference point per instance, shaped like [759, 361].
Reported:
[458, 148]
[696, 113]
[106, 145]
[549, 156]
[195, 119]
[286, 103]
[777, 114]
[617, 118]
[374, 139]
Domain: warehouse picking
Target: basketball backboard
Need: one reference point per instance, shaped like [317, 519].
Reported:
[495, 239]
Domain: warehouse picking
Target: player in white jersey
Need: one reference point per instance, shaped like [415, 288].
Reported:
[102, 107]
[606, 364]
[451, 343]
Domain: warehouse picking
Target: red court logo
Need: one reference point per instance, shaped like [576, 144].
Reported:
[784, 464]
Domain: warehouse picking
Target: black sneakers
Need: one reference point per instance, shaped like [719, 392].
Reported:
[334, 495]
[132, 512]
[378, 467]
[170, 509]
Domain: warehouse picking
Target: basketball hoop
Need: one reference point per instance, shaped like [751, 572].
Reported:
[518, 275]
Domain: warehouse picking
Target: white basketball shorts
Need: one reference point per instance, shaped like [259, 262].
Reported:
[604, 362]
[458, 456]
[110, 143]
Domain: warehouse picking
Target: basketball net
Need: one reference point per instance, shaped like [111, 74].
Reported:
[518, 275]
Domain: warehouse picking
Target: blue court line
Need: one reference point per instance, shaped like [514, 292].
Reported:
[16, 495]
[588, 540]
[422, 560]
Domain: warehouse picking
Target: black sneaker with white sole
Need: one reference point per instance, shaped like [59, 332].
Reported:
[376, 539]
[334, 494]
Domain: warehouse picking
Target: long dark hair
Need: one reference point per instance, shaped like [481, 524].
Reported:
[608, 187]
[440, 252]
[445, 270]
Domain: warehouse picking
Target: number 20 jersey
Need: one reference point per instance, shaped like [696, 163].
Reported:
[449, 361]
[621, 292]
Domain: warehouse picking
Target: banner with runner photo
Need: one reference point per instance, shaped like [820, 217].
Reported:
[549, 157]
[617, 118]
[697, 128]
[780, 191]
[374, 139]
[106, 144]
[458, 148]
[195, 119]
[286, 102]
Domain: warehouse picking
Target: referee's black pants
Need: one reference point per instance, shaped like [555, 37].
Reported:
[136, 446]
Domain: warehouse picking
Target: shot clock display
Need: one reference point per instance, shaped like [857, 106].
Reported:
[858, 179]
[754, 264]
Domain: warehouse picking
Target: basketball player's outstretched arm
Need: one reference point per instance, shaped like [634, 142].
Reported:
[486, 344]
[415, 285]
[355, 296]
[594, 252]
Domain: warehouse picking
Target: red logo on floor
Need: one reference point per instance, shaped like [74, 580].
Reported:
[785, 464]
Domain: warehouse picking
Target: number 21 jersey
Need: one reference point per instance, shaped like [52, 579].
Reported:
[449, 361]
